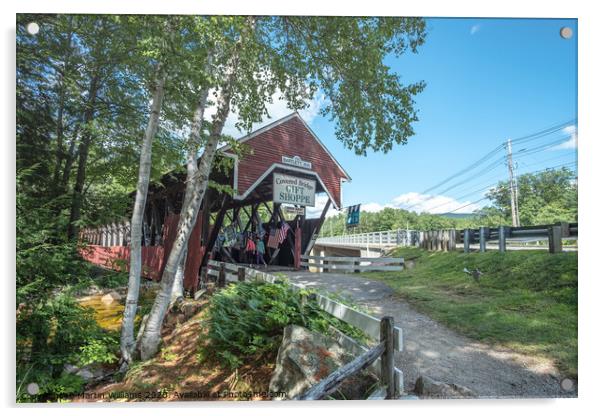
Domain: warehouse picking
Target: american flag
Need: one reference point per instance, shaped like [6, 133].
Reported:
[284, 227]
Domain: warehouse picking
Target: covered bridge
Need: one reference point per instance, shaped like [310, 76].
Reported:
[283, 168]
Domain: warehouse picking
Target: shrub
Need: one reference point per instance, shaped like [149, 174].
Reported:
[248, 319]
[51, 335]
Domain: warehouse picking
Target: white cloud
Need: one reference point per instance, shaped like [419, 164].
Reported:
[433, 204]
[372, 207]
[474, 29]
[315, 212]
[571, 143]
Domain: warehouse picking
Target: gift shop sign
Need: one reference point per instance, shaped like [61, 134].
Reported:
[294, 190]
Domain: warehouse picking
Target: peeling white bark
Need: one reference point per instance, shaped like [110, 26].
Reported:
[128, 342]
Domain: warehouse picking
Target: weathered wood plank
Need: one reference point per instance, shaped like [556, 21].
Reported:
[332, 266]
[356, 348]
[387, 360]
[352, 259]
[329, 384]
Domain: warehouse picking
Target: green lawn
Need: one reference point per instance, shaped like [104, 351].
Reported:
[526, 300]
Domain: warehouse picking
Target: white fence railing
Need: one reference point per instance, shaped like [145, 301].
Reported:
[388, 238]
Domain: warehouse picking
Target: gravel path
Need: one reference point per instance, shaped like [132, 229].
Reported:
[434, 350]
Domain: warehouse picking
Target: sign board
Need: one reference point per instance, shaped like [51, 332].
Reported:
[294, 210]
[353, 216]
[294, 190]
[296, 161]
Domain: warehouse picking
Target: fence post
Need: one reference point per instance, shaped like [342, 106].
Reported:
[555, 239]
[482, 240]
[387, 362]
[502, 239]
[241, 274]
[466, 240]
[221, 278]
[452, 240]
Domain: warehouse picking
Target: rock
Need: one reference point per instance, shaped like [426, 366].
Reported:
[115, 295]
[427, 387]
[110, 297]
[306, 357]
[86, 374]
[190, 308]
[70, 369]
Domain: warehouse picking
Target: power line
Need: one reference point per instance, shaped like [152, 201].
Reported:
[526, 138]
[497, 162]
[495, 183]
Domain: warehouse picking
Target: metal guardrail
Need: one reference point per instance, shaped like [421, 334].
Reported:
[447, 239]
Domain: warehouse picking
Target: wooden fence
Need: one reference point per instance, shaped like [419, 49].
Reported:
[352, 264]
[378, 359]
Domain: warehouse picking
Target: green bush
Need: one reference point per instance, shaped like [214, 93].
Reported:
[248, 319]
[51, 335]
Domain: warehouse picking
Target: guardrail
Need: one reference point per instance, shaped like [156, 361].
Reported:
[388, 238]
[353, 264]
[444, 240]
[554, 233]
[379, 359]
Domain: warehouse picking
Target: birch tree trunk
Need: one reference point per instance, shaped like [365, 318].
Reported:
[177, 291]
[128, 342]
[152, 332]
[197, 181]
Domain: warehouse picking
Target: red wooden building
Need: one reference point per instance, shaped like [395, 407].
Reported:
[283, 167]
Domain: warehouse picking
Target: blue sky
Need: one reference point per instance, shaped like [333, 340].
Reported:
[487, 80]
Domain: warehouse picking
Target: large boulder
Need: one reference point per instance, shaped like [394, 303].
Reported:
[305, 358]
[429, 388]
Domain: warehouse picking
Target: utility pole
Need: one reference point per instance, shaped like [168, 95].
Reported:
[513, 185]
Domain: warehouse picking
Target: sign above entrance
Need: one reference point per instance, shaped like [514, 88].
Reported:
[294, 210]
[294, 190]
[296, 161]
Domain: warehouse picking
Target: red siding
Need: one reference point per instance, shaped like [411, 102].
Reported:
[290, 138]
[154, 258]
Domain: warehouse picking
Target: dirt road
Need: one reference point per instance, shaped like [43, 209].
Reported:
[434, 350]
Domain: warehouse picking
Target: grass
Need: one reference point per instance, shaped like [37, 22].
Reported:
[525, 300]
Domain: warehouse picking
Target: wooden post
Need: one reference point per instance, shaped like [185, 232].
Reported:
[482, 240]
[466, 240]
[555, 239]
[314, 233]
[565, 228]
[241, 274]
[221, 279]
[502, 239]
[452, 240]
[387, 360]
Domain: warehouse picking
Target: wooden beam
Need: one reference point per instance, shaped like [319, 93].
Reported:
[329, 384]
[217, 225]
[387, 361]
[317, 228]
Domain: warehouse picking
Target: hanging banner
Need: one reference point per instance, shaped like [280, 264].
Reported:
[294, 190]
[353, 216]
